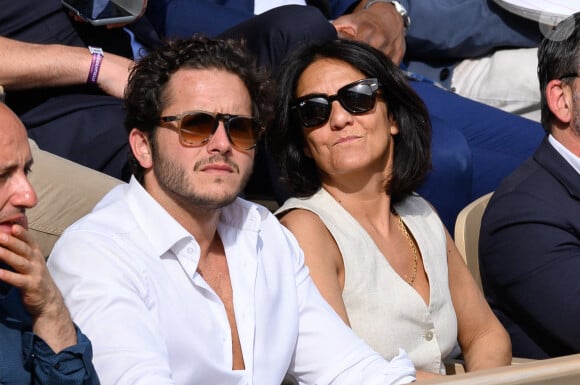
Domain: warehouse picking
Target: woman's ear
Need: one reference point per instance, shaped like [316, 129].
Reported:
[393, 126]
[139, 142]
[560, 100]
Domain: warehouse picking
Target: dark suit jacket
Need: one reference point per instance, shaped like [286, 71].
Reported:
[530, 255]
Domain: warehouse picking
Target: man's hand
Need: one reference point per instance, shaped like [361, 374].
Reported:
[40, 296]
[380, 26]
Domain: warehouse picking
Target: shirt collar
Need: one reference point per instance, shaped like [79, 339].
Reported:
[164, 232]
[160, 228]
[566, 154]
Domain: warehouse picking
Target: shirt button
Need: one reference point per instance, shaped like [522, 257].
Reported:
[190, 250]
[429, 336]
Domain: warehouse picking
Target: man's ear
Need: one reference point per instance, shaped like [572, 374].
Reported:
[345, 30]
[560, 100]
[139, 142]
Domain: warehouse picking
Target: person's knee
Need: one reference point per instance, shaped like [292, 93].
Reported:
[273, 34]
[312, 23]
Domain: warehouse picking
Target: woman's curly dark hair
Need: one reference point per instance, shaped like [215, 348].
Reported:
[145, 98]
[285, 139]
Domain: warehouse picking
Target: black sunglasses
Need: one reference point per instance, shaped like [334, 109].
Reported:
[357, 98]
[197, 127]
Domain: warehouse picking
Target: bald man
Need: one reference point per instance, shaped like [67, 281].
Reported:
[38, 340]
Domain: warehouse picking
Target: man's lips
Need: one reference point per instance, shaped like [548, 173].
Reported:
[219, 167]
[216, 163]
[7, 223]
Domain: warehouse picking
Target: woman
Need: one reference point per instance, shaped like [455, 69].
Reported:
[352, 142]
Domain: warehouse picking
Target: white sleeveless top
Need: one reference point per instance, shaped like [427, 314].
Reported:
[382, 307]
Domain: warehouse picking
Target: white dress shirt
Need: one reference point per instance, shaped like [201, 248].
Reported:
[261, 6]
[570, 157]
[128, 274]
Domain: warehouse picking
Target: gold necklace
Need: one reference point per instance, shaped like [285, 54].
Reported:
[403, 228]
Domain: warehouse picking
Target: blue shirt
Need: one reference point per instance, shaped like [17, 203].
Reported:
[26, 359]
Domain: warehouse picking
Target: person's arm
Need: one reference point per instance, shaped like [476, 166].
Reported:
[321, 255]
[72, 365]
[530, 255]
[26, 65]
[113, 309]
[327, 350]
[324, 261]
[483, 340]
[379, 25]
[59, 350]
[440, 29]
[452, 29]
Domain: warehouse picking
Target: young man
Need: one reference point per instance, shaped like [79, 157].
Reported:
[38, 341]
[530, 234]
[176, 279]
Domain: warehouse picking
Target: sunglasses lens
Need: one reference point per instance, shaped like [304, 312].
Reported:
[313, 111]
[357, 99]
[243, 131]
[196, 128]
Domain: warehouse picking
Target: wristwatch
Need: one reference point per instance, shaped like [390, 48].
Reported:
[400, 9]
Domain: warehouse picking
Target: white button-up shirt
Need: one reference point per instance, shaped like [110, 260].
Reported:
[261, 6]
[570, 157]
[128, 274]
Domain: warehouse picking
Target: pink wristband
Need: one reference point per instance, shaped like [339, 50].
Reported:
[95, 64]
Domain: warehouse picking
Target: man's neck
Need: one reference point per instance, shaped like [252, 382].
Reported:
[200, 221]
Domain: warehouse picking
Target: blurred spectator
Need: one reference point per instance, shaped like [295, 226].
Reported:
[530, 234]
[44, 70]
[472, 46]
[40, 344]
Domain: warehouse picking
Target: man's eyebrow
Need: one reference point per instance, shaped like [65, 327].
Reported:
[7, 167]
[11, 166]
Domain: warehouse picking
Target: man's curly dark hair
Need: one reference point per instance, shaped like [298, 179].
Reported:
[145, 98]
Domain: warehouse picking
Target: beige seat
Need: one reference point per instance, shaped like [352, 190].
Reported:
[66, 191]
[553, 371]
[467, 228]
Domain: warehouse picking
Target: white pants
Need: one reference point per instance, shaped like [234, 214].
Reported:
[506, 79]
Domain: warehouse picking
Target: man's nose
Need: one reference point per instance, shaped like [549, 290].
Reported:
[24, 194]
[219, 141]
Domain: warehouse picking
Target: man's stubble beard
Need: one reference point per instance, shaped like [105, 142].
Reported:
[174, 180]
